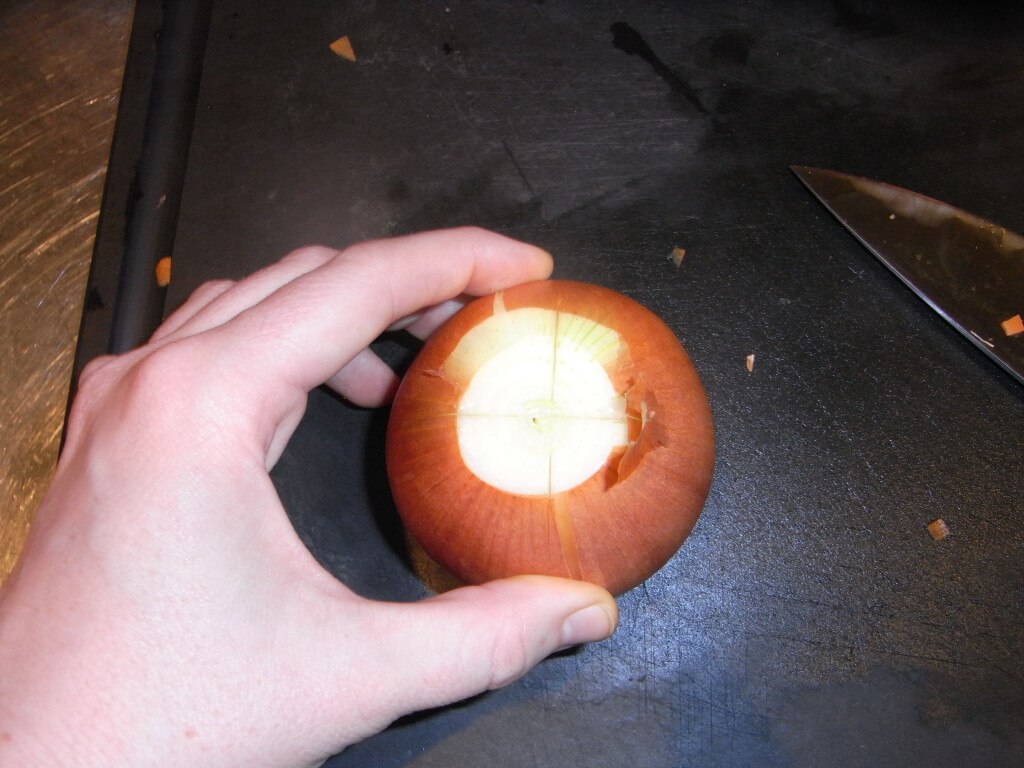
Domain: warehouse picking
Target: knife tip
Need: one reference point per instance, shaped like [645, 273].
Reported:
[803, 173]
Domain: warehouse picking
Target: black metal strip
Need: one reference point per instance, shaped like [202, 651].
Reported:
[160, 174]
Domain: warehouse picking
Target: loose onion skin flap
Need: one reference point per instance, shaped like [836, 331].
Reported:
[624, 518]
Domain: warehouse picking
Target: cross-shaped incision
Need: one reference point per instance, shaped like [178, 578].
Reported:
[540, 413]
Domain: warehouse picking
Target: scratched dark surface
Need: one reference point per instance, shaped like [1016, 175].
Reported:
[810, 619]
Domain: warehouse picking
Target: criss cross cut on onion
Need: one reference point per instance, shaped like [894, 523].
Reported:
[554, 428]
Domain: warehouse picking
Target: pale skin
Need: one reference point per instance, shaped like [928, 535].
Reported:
[164, 611]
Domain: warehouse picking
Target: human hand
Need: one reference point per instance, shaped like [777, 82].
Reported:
[165, 612]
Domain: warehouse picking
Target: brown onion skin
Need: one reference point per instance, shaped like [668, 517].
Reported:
[610, 531]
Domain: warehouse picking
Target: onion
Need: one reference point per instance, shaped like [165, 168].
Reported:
[554, 428]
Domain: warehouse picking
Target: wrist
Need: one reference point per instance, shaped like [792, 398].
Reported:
[64, 673]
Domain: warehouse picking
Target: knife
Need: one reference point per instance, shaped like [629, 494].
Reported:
[969, 270]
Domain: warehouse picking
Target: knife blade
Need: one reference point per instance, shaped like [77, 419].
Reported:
[967, 269]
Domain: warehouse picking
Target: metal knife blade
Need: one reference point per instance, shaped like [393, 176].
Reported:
[969, 270]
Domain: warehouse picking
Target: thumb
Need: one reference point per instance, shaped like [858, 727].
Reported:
[474, 639]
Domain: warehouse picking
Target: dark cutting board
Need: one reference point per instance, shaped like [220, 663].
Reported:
[810, 619]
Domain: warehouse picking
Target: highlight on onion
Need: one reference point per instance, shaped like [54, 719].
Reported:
[554, 428]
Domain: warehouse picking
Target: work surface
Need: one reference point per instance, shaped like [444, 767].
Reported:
[810, 619]
[60, 70]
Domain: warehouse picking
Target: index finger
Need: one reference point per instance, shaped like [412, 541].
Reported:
[308, 329]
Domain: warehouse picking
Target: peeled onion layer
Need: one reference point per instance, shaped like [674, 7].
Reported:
[624, 519]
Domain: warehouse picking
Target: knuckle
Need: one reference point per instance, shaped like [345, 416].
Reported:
[357, 251]
[512, 655]
[162, 367]
[310, 256]
[87, 379]
[93, 383]
[477, 239]
[474, 231]
[154, 384]
[96, 385]
[212, 288]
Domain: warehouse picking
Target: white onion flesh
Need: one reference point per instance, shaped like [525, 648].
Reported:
[540, 415]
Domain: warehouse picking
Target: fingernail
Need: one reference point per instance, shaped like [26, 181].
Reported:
[587, 625]
[403, 323]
